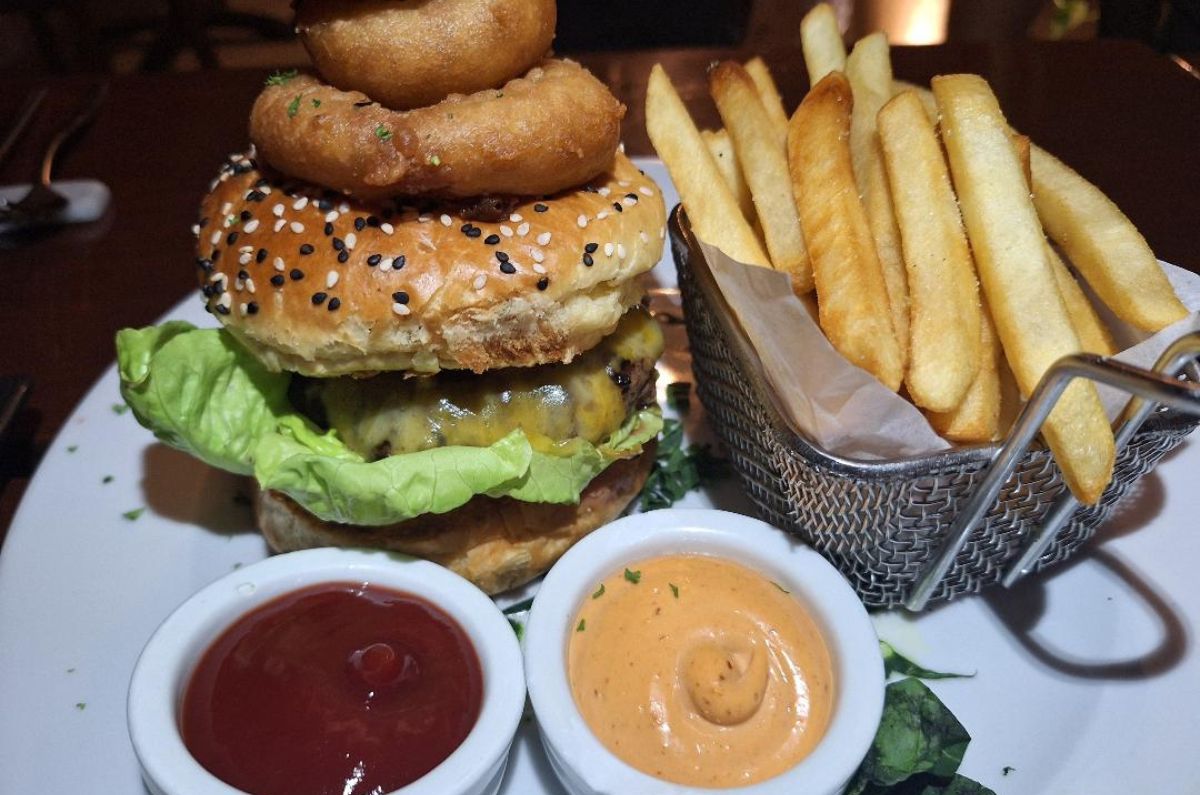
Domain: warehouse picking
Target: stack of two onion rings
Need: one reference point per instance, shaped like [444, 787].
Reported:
[552, 128]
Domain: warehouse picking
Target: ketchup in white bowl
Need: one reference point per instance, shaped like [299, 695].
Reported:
[338, 687]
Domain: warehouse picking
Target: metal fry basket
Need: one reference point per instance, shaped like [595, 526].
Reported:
[918, 530]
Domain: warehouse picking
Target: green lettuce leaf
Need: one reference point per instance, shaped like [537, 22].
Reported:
[198, 390]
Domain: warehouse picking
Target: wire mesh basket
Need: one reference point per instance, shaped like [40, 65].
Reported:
[884, 524]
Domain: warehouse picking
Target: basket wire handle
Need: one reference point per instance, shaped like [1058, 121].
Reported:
[1173, 361]
[1135, 380]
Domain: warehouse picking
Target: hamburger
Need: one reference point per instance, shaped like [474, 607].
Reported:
[475, 392]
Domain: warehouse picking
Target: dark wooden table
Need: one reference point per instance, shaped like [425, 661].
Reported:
[1125, 117]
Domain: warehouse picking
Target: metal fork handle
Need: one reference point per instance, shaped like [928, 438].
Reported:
[1135, 380]
[82, 116]
[1173, 361]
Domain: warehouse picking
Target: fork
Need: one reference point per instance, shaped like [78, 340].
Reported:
[42, 202]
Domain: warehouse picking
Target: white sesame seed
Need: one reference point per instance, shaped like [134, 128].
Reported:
[226, 207]
[216, 237]
[245, 259]
[351, 240]
[279, 266]
[225, 300]
[620, 251]
[387, 229]
[645, 191]
[506, 230]
[642, 236]
[624, 183]
[523, 229]
[277, 210]
[608, 249]
[265, 190]
[245, 249]
[581, 220]
[628, 202]
[250, 286]
[250, 226]
[385, 264]
[480, 281]
[538, 269]
[516, 218]
[604, 191]
[300, 203]
[446, 220]
[536, 255]
[296, 227]
[343, 208]
[242, 309]
[423, 218]
[543, 239]
[600, 216]
[219, 277]
[331, 216]
[280, 224]
[331, 278]
[195, 230]
[401, 309]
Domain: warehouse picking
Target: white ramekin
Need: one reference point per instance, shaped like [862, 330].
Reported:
[475, 768]
[581, 761]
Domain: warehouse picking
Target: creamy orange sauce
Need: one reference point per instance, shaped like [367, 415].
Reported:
[702, 672]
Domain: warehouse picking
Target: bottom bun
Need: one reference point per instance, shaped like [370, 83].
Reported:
[497, 544]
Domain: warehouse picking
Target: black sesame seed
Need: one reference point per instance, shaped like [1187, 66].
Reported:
[339, 244]
[207, 291]
[543, 283]
[360, 223]
[231, 238]
[261, 182]
[362, 103]
[633, 196]
[343, 256]
[400, 297]
[328, 229]
[373, 221]
[255, 195]
[277, 280]
[216, 254]
[502, 256]
[334, 303]
[245, 215]
[252, 308]
[243, 275]
[590, 189]
[261, 255]
[374, 259]
[399, 262]
[540, 208]
[204, 264]
[591, 248]
[466, 228]
[617, 206]
[296, 274]
[222, 309]
[587, 259]
[324, 205]
[319, 298]
[474, 232]
[507, 267]
[306, 249]
[492, 240]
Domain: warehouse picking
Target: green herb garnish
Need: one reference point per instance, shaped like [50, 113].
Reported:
[633, 576]
[70, 670]
[598, 592]
[676, 471]
[119, 408]
[896, 663]
[133, 515]
[279, 78]
[106, 479]
[582, 625]
[294, 106]
[679, 395]
[780, 587]
[519, 607]
[72, 448]
[434, 160]
[1007, 769]
[518, 629]
[81, 705]
[316, 103]
[674, 589]
[383, 133]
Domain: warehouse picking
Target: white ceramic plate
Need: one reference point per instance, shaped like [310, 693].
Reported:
[1087, 679]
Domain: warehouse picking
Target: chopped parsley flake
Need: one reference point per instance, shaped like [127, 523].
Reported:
[383, 133]
[72, 448]
[582, 625]
[119, 408]
[434, 160]
[81, 705]
[599, 592]
[279, 78]
[294, 106]
[1007, 769]
[674, 589]
[518, 628]
[633, 576]
[316, 103]
[106, 479]
[133, 515]
[780, 587]
[70, 670]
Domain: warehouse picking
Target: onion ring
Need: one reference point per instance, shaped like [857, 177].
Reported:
[552, 129]
[408, 55]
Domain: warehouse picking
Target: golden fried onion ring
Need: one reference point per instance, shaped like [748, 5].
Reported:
[407, 55]
[552, 129]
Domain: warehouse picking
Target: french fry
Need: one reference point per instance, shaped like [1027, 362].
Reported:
[978, 417]
[1094, 336]
[1010, 254]
[764, 83]
[711, 207]
[869, 70]
[1022, 145]
[1103, 245]
[923, 94]
[721, 148]
[944, 351]
[821, 40]
[850, 290]
[764, 164]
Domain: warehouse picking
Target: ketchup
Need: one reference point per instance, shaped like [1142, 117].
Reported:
[339, 688]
